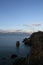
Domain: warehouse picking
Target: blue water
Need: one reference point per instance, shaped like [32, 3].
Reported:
[8, 45]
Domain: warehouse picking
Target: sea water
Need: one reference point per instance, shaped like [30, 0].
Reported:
[8, 46]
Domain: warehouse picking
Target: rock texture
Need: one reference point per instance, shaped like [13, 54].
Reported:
[36, 55]
[17, 43]
[13, 56]
[26, 41]
[20, 61]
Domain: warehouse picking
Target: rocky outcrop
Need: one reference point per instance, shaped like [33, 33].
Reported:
[36, 55]
[13, 56]
[20, 61]
[17, 43]
[26, 41]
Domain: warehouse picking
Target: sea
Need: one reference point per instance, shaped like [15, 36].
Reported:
[8, 47]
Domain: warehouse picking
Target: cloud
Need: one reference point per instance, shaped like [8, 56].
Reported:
[36, 24]
[19, 30]
[26, 25]
[6, 31]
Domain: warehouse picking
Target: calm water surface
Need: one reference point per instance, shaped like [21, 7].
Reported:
[8, 45]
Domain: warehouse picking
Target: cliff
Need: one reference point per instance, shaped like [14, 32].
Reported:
[36, 54]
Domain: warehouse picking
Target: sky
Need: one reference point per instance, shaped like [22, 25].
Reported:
[22, 15]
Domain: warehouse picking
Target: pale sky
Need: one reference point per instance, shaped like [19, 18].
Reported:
[21, 15]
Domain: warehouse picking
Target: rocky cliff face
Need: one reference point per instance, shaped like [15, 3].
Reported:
[36, 54]
[36, 39]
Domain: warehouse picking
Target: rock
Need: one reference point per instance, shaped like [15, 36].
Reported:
[36, 54]
[20, 61]
[13, 56]
[26, 41]
[17, 43]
